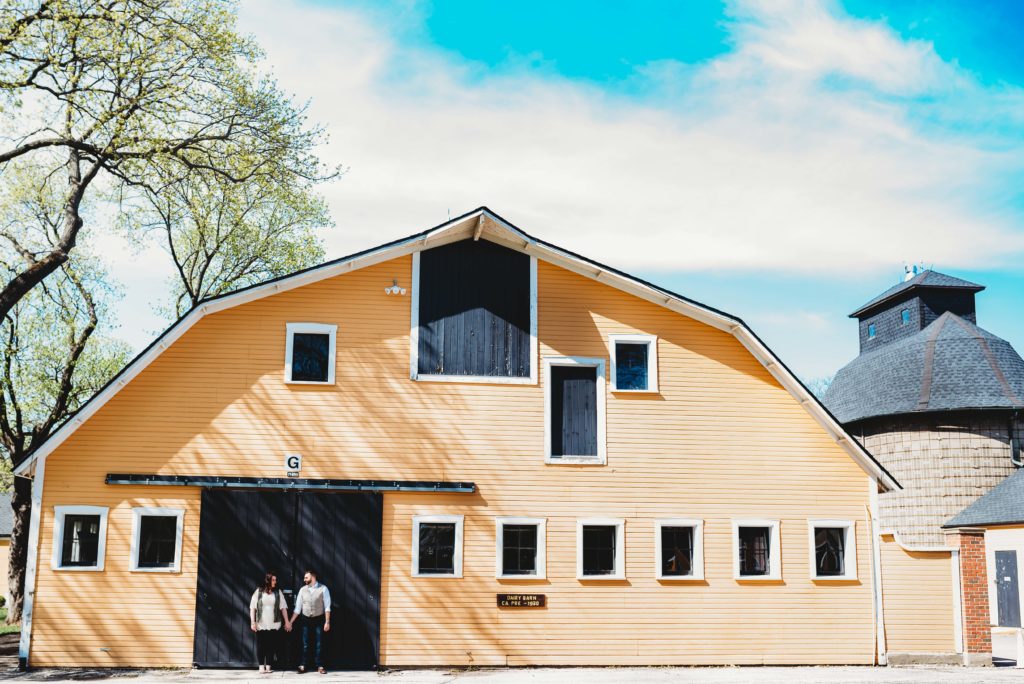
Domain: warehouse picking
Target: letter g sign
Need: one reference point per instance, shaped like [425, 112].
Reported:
[293, 464]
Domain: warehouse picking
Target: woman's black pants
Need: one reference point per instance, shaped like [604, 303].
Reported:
[266, 646]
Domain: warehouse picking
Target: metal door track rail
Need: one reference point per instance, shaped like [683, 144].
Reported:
[213, 481]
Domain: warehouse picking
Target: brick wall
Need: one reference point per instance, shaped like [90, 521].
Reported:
[974, 592]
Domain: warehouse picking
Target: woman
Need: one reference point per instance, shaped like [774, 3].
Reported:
[267, 612]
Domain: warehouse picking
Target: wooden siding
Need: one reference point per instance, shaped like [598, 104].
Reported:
[918, 599]
[721, 440]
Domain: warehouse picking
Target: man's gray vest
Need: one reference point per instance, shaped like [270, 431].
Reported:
[312, 601]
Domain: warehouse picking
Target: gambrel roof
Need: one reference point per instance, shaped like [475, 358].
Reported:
[481, 221]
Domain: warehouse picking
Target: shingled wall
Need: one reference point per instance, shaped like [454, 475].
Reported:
[944, 462]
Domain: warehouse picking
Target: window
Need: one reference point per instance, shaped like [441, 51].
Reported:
[437, 546]
[833, 549]
[634, 363]
[871, 331]
[758, 554]
[575, 410]
[905, 316]
[600, 549]
[520, 549]
[309, 354]
[474, 314]
[679, 544]
[156, 539]
[79, 537]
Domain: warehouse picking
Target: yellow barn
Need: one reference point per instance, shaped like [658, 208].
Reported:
[492, 450]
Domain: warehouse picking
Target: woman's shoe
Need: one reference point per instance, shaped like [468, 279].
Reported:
[321, 670]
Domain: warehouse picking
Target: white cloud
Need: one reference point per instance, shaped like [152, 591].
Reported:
[807, 38]
[755, 160]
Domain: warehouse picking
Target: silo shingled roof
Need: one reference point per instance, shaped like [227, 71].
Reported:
[950, 364]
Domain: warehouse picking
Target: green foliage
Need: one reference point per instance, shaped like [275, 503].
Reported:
[140, 96]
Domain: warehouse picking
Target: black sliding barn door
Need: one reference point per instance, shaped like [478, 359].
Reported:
[242, 534]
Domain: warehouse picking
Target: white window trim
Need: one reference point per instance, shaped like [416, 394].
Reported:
[318, 329]
[457, 559]
[499, 556]
[849, 550]
[601, 457]
[774, 550]
[59, 513]
[414, 337]
[652, 361]
[620, 548]
[698, 548]
[137, 514]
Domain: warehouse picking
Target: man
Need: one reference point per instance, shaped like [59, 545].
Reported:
[313, 606]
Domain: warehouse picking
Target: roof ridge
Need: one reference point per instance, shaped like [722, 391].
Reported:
[928, 367]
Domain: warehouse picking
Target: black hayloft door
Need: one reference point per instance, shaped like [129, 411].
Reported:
[1007, 589]
[242, 534]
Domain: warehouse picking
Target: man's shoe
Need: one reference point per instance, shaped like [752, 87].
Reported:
[302, 669]
[321, 670]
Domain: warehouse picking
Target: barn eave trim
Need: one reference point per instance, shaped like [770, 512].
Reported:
[330, 485]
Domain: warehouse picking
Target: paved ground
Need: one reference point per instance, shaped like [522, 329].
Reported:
[660, 675]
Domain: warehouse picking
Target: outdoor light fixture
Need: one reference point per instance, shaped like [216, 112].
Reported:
[394, 289]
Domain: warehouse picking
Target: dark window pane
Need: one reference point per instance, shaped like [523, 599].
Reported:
[158, 536]
[598, 549]
[519, 549]
[81, 543]
[573, 411]
[474, 315]
[309, 357]
[437, 549]
[755, 553]
[631, 366]
[676, 551]
[830, 551]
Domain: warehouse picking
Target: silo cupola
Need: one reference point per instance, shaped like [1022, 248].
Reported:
[908, 308]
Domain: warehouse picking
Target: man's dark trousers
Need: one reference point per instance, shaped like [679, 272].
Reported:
[316, 626]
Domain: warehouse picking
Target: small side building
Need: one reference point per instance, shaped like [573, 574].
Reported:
[999, 515]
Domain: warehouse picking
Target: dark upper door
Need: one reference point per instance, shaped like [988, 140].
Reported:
[1007, 589]
[243, 534]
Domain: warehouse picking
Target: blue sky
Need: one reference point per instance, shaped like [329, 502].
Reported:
[780, 159]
